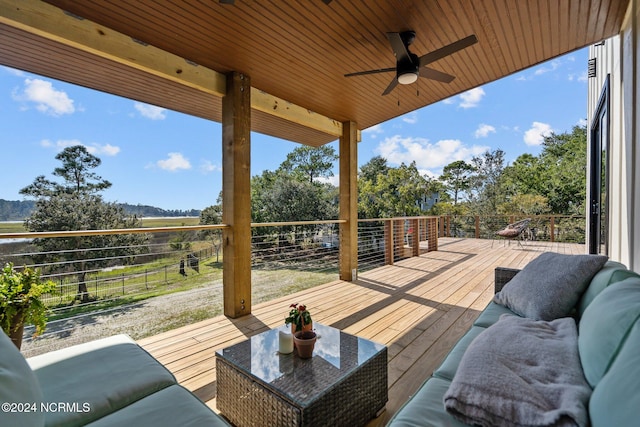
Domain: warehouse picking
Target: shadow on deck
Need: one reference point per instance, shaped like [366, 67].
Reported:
[418, 307]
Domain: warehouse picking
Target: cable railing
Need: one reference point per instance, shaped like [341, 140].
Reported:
[175, 277]
[547, 228]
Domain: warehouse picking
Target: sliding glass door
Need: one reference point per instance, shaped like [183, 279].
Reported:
[599, 176]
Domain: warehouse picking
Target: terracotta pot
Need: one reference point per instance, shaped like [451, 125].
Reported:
[305, 327]
[17, 329]
[305, 341]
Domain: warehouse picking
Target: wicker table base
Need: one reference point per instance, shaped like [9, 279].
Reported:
[348, 390]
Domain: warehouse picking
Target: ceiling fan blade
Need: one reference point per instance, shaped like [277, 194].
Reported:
[398, 46]
[448, 50]
[380, 70]
[391, 86]
[432, 74]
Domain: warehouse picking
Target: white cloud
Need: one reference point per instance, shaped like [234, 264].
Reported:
[484, 130]
[174, 162]
[471, 98]
[48, 100]
[547, 68]
[13, 71]
[151, 111]
[333, 180]
[206, 166]
[93, 148]
[428, 156]
[582, 76]
[411, 118]
[582, 122]
[373, 131]
[535, 135]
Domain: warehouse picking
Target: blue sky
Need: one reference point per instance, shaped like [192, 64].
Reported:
[158, 157]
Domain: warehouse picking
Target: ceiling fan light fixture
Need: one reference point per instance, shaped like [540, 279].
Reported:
[407, 78]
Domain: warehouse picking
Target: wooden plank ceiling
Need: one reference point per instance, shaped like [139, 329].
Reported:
[298, 51]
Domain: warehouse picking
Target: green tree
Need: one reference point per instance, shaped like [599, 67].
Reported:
[212, 215]
[397, 192]
[76, 173]
[557, 174]
[487, 191]
[310, 163]
[456, 177]
[73, 205]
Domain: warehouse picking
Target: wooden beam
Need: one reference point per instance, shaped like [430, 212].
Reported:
[50, 22]
[47, 21]
[236, 195]
[278, 107]
[349, 201]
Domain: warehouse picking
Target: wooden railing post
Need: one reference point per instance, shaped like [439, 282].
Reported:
[388, 242]
[477, 227]
[552, 226]
[415, 224]
[432, 234]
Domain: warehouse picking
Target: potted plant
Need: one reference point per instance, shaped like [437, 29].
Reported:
[299, 318]
[20, 302]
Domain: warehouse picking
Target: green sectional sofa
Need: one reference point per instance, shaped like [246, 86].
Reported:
[107, 382]
[468, 389]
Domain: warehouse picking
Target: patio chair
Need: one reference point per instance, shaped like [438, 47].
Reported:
[514, 231]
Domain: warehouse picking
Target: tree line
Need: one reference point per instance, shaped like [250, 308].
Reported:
[18, 210]
[553, 182]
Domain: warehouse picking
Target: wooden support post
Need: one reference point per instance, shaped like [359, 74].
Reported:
[236, 195]
[441, 226]
[388, 242]
[477, 227]
[552, 225]
[415, 237]
[349, 201]
[432, 234]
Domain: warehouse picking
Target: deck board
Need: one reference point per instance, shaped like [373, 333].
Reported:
[419, 307]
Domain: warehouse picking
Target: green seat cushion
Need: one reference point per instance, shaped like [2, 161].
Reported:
[106, 374]
[449, 366]
[171, 406]
[550, 286]
[491, 314]
[616, 399]
[604, 326]
[18, 385]
[611, 272]
[425, 408]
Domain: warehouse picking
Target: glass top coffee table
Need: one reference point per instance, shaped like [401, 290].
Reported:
[343, 384]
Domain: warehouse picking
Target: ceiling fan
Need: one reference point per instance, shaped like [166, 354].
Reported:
[409, 66]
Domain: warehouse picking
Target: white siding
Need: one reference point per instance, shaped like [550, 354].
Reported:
[619, 58]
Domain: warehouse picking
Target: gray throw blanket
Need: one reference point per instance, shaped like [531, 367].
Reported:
[521, 372]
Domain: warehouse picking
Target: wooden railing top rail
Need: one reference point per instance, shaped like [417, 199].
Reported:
[76, 233]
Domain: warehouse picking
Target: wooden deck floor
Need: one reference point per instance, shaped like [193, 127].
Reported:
[418, 307]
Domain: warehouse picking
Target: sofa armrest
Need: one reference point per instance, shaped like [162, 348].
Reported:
[503, 275]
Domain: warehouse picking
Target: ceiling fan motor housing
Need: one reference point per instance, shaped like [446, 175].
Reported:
[408, 69]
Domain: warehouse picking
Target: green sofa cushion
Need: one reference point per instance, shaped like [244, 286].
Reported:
[169, 407]
[448, 368]
[550, 286]
[106, 374]
[616, 399]
[491, 314]
[425, 408]
[611, 272]
[604, 326]
[18, 385]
